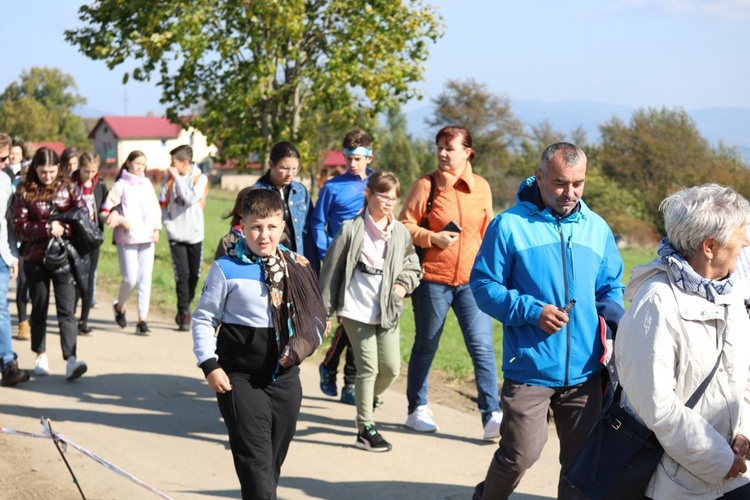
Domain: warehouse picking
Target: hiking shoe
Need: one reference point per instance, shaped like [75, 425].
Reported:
[142, 329]
[75, 368]
[120, 316]
[369, 439]
[421, 420]
[328, 382]
[492, 427]
[183, 325]
[41, 364]
[84, 330]
[12, 375]
[24, 330]
[347, 395]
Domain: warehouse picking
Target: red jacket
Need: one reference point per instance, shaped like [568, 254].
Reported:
[32, 225]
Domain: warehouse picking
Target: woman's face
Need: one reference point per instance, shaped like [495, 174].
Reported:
[283, 171]
[452, 156]
[87, 172]
[72, 165]
[381, 204]
[724, 259]
[137, 166]
[47, 174]
[16, 155]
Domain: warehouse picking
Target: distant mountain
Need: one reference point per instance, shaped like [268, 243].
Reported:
[728, 125]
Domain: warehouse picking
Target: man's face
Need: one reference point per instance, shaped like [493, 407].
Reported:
[561, 186]
[4, 156]
[16, 155]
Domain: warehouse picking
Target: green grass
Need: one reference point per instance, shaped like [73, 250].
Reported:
[452, 357]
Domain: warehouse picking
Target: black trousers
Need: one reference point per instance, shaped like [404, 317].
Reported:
[87, 296]
[186, 261]
[38, 278]
[340, 342]
[22, 293]
[261, 420]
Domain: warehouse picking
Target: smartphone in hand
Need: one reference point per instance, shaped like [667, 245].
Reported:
[452, 227]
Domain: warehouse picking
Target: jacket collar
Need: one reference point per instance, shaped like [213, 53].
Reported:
[530, 196]
[446, 180]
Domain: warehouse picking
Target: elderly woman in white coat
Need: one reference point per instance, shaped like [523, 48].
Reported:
[684, 316]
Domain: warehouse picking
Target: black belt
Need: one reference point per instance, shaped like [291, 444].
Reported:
[364, 268]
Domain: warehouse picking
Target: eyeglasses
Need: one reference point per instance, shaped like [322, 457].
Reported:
[292, 170]
[3, 159]
[385, 198]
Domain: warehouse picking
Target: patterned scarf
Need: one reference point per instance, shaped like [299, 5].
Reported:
[299, 316]
[687, 279]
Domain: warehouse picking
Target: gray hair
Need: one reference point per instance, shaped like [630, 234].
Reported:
[709, 211]
[570, 154]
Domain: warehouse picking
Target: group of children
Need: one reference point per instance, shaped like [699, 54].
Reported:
[55, 185]
[369, 265]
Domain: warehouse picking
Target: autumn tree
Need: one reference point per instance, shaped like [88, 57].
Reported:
[264, 71]
[40, 107]
[658, 152]
[494, 129]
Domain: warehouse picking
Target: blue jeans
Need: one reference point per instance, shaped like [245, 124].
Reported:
[431, 302]
[6, 344]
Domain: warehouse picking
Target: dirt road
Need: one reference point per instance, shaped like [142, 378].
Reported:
[145, 407]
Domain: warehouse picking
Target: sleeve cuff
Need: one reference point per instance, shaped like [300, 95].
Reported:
[209, 365]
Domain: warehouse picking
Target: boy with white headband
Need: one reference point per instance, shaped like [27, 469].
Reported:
[340, 199]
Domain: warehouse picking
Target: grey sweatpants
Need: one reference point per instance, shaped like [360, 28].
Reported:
[524, 432]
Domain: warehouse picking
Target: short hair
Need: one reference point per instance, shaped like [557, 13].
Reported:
[570, 154]
[67, 155]
[709, 211]
[357, 138]
[5, 141]
[262, 203]
[282, 150]
[451, 132]
[383, 181]
[24, 149]
[236, 213]
[182, 153]
[88, 158]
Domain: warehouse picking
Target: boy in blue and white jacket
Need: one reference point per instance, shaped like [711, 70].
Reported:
[264, 301]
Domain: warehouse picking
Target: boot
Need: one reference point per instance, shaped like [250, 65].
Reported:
[184, 323]
[13, 375]
[24, 330]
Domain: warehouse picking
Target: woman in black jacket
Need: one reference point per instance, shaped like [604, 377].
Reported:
[92, 191]
[47, 189]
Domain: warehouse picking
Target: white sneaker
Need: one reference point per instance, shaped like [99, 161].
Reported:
[492, 427]
[421, 420]
[41, 364]
[75, 368]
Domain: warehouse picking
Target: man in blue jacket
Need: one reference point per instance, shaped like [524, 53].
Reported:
[547, 252]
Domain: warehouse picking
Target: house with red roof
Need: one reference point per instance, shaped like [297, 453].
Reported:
[114, 137]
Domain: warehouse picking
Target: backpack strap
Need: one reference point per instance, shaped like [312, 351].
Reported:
[430, 201]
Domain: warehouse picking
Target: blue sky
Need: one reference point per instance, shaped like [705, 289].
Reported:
[688, 53]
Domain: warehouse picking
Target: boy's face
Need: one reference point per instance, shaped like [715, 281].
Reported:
[357, 164]
[263, 234]
[182, 166]
[16, 155]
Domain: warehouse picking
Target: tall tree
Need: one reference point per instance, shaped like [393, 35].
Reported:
[661, 150]
[495, 131]
[39, 107]
[262, 70]
[397, 151]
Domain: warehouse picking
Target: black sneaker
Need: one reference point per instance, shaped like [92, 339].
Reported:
[142, 329]
[369, 439]
[12, 375]
[84, 330]
[119, 316]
